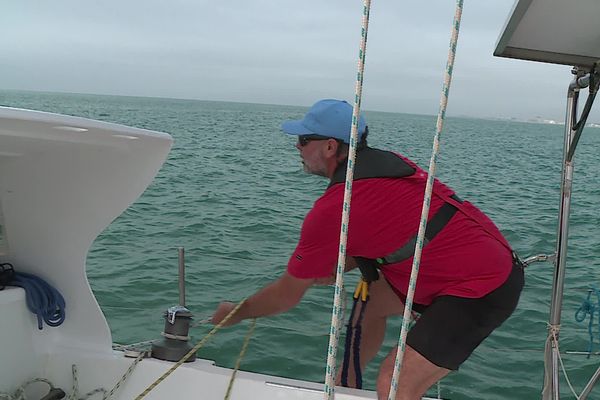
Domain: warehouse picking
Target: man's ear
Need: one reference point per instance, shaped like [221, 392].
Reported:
[332, 147]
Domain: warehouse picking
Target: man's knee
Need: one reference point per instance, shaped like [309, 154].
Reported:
[416, 376]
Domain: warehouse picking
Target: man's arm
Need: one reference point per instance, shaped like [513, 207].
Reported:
[275, 298]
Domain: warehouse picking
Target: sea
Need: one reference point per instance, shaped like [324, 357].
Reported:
[233, 194]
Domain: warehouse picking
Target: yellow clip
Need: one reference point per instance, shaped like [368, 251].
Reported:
[362, 290]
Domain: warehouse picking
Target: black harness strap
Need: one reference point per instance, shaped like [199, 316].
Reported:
[434, 226]
[368, 267]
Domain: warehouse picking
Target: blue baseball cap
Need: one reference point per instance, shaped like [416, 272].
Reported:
[330, 118]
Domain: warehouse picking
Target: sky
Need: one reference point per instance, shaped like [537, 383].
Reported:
[276, 52]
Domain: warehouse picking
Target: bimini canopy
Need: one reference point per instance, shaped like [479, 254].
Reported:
[553, 31]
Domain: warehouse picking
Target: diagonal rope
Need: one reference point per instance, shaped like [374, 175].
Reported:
[426, 201]
[336, 315]
[239, 360]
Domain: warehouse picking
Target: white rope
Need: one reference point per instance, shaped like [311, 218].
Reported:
[336, 315]
[19, 394]
[133, 346]
[554, 330]
[426, 202]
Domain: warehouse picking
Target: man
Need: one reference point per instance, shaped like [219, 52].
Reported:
[469, 280]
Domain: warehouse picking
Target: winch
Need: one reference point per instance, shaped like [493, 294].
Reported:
[175, 343]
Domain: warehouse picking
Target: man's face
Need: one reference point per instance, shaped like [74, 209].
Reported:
[312, 152]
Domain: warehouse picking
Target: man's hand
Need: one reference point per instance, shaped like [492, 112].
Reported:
[222, 311]
[275, 298]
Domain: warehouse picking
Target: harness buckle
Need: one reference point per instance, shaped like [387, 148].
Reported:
[368, 268]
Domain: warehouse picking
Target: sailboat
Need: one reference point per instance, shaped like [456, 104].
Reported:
[56, 170]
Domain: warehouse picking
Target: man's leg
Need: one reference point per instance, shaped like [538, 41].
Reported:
[416, 376]
[382, 303]
[446, 334]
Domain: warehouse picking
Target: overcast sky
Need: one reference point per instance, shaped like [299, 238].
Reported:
[275, 51]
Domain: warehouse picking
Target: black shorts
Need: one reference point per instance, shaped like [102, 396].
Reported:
[451, 327]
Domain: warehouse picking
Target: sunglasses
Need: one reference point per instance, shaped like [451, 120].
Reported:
[304, 139]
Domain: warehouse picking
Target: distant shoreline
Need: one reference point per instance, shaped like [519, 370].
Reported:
[535, 120]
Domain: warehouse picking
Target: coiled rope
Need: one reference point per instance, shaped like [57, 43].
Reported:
[336, 315]
[426, 201]
[19, 394]
[589, 308]
[58, 393]
[42, 298]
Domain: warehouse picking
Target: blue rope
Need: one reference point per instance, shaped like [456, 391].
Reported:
[346, 362]
[356, 334]
[356, 347]
[42, 299]
[588, 307]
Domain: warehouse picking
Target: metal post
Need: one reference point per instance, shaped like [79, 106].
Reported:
[181, 277]
[588, 388]
[551, 357]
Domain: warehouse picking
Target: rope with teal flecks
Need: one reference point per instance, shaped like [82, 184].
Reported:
[589, 308]
[426, 201]
[336, 315]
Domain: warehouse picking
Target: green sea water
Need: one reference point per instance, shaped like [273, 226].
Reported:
[233, 193]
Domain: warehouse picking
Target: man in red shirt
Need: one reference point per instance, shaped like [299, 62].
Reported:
[469, 278]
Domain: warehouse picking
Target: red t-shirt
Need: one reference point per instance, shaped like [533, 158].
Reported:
[468, 258]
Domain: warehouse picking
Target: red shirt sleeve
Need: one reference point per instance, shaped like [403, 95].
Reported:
[317, 251]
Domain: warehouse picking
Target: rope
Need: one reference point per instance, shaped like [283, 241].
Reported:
[588, 308]
[426, 201]
[554, 330]
[336, 315]
[42, 299]
[356, 345]
[19, 394]
[354, 334]
[75, 392]
[132, 346]
[239, 360]
[191, 352]
[347, 346]
[175, 337]
[125, 376]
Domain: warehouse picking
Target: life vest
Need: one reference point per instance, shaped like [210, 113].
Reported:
[374, 163]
